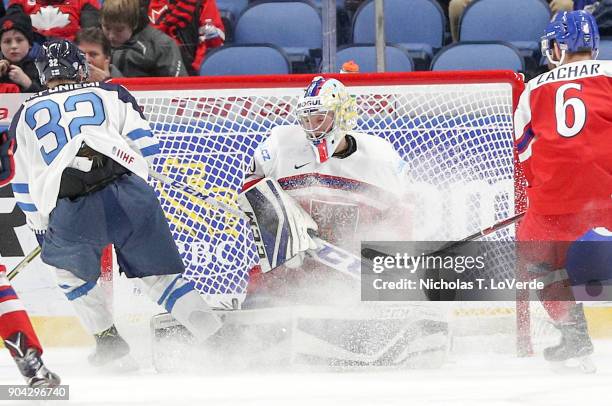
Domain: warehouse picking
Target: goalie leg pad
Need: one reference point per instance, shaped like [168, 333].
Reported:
[179, 298]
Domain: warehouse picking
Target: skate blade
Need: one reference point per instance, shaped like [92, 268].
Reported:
[580, 365]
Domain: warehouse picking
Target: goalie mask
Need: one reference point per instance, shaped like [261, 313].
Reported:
[574, 31]
[326, 112]
[61, 59]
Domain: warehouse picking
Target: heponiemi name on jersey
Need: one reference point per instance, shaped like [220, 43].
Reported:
[570, 72]
[71, 86]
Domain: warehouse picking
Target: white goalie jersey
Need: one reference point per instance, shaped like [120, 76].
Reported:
[353, 197]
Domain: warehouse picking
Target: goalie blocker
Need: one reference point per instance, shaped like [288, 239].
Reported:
[281, 228]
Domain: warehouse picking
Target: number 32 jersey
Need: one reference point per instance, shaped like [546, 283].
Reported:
[50, 128]
[563, 135]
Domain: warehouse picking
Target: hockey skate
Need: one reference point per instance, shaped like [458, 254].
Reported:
[112, 351]
[30, 364]
[575, 345]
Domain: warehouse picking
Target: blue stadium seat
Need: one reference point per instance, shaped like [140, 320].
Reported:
[318, 3]
[229, 11]
[416, 25]
[605, 49]
[294, 26]
[233, 7]
[493, 55]
[397, 60]
[520, 22]
[245, 60]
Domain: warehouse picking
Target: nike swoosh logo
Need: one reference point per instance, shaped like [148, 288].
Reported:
[300, 166]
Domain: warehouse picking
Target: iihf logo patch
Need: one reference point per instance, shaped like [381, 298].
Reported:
[123, 155]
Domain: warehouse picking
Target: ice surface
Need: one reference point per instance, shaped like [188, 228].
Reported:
[491, 380]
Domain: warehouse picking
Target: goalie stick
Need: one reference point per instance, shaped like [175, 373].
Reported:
[24, 262]
[336, 258]
[370, 253]
[190, 190]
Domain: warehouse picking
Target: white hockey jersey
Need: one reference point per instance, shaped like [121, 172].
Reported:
[352, 198]
[50, 128]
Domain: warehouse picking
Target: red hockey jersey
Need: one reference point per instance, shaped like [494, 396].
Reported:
[182, 20]
[563, 134]
[51, 18]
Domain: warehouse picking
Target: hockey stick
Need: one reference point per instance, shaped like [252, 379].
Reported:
[370, 253]
[196, 193]
[336, 258]
[24, 262]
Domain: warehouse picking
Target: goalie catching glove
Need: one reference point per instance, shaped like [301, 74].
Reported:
[281, 228]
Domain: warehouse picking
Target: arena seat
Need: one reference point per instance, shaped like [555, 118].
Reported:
[489, 55]
[417, 26]
[294, 26]
[253, 59]
[520, 22]
[397, 60]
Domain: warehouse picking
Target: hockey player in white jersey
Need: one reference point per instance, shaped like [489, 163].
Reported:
[82, 161]
[351, 184]
[345, 186]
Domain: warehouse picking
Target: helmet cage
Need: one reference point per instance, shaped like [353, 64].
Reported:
[316, 123]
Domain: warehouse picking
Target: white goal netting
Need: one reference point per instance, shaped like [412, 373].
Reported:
[455, 132]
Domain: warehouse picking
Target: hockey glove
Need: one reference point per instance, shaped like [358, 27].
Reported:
[208, 32]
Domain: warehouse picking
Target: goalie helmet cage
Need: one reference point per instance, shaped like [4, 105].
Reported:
[453, 128]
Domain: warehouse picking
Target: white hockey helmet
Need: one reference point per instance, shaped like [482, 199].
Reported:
[326, 112]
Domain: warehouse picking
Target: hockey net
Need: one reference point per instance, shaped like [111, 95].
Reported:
[453, 129]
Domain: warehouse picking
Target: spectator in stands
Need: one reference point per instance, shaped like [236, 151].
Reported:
[601, 10]
[58, 18]
[97, 51]
[195, 25]
[456, 8]
[16, 66]
[138, 48]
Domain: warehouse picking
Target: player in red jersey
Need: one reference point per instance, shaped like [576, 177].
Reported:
[57, 18]
[195, 26]
[561, 129]
[15, 327]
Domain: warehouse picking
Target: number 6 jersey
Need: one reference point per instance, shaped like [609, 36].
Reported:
[50, 128]
[563, 135]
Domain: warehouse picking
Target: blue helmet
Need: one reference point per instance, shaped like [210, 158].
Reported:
[574, 31]
[61, 59]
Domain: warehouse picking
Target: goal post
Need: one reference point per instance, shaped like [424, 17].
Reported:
[454, 129]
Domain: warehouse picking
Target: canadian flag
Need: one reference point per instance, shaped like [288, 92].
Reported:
[154, 16]
[49, 17]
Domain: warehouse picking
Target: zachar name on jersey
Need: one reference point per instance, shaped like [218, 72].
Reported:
[570, 72]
